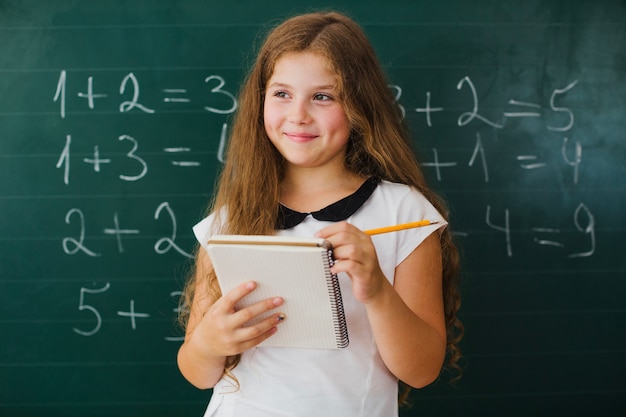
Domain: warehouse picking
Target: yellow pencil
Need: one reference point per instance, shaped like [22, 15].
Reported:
[397, 227]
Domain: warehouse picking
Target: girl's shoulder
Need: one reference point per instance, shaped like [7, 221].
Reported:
[397, 186]
[407, 201]
[398, 190]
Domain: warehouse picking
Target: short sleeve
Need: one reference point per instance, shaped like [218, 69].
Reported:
[414, 206]
[203, 230]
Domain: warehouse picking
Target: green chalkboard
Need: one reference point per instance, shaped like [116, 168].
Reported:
[112, 120]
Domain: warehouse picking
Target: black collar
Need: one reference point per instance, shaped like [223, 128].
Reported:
[338, 211]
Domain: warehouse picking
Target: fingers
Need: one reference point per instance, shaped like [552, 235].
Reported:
[356, 256]
[244, 315]
[332, 231]
[240, 329]
[348, 242]
[254, 334]
[230, 299]
[252, 312]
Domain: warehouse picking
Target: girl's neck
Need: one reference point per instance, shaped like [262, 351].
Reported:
[311, 190]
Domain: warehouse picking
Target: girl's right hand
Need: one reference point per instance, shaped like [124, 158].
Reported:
[223, 328]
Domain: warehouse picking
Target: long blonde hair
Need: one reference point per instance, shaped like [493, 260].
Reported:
[379, 144]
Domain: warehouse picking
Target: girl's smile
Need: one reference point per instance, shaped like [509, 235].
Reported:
[300, 137]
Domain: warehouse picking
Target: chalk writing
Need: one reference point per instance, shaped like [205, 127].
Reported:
[397, 96]
[129, 105]
[575, 162]
[583, 219]
[59, 95]
[64, 160]
[428, 109]
[132, 155]
[183, 156]
[531, 109]
[77, 243]
[72, 246]
[181, 163]
[222, 146]
[479, 150]
[164, 244]
[118, 232]
[176, 295]
[133, 315]
[82, 306]
[130, 88]
[89, 95]
[97, 161]
[467, 117]
[95, 307]
[588, 229]
[573, 241]
[176, 99]
[521, 109]
[565, 110]
[529, 162]
[437, 164]
[506, 228]
[219, 90]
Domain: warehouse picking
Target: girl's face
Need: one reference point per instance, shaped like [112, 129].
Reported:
[303, 118]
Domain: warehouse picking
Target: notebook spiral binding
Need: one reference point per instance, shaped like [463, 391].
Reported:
[339, 315]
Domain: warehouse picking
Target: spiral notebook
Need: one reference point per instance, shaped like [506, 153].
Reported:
[296, 269]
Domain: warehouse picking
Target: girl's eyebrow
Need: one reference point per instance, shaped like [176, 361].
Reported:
[320, 87]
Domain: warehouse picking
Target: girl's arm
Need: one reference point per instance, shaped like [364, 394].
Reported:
[216, 330]
[407, 318]
[198, 366]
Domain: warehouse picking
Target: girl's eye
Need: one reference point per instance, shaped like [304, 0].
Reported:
[322, 97]
[281, 94]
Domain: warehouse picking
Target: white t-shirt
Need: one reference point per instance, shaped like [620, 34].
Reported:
[348, 382]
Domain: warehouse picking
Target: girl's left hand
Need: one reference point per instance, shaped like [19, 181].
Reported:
[355, 255]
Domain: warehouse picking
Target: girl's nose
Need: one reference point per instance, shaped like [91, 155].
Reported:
[299, 112]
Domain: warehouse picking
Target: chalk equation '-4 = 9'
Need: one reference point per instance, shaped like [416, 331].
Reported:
[584, 222]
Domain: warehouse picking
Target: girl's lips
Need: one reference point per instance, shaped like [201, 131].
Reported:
[300, 137]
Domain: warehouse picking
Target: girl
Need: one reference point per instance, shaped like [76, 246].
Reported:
[318, 148]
